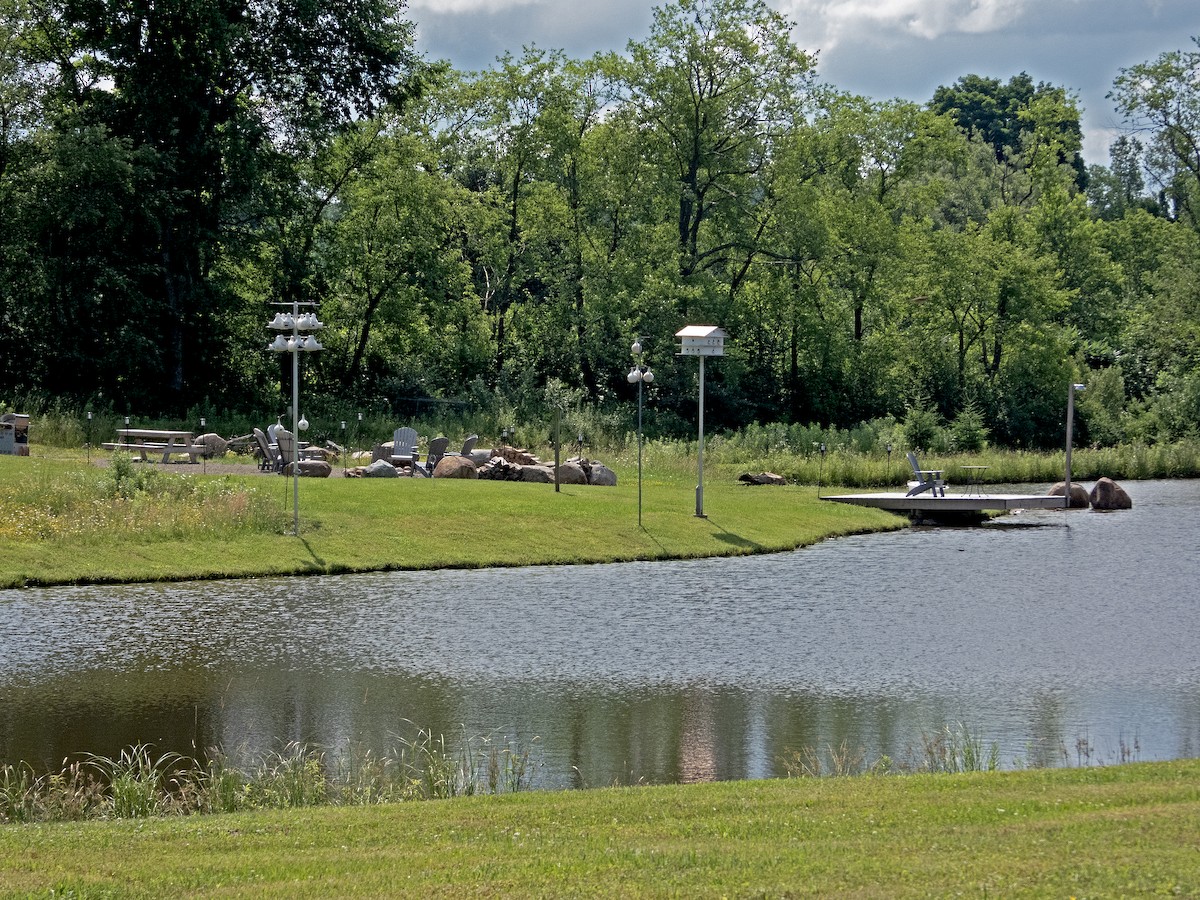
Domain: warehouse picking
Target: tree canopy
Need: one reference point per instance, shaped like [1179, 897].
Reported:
[168, 169]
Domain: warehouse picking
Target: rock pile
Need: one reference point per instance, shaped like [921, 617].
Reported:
[504, 466]
[501, 464]
[1105, 495]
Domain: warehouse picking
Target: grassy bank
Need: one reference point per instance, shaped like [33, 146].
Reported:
[355, 525]
[1096, 832]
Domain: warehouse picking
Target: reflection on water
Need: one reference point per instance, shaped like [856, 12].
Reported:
[1070, 640]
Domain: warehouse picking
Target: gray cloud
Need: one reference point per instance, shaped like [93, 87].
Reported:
[878, 48]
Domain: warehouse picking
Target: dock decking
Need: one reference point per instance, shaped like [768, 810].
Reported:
[929, 505]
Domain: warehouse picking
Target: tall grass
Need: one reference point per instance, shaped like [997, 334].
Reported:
[850, 468]
[47, 503]
[949, 749]
[852, 457]
[137, 783]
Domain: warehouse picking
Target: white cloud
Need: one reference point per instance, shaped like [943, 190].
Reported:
[463, 7]
[831, 21]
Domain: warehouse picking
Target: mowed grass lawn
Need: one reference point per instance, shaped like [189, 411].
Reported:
[357, 525]
[1121, 831]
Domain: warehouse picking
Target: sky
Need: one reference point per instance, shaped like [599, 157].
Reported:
[882, 49]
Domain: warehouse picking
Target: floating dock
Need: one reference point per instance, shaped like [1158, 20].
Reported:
[926, 505]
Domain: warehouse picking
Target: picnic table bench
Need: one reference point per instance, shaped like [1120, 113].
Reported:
[144, 440]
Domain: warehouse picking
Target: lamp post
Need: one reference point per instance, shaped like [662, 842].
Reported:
[639, 374]
[295, 337]
[1071, 389]
[821, 468]
[889, 453]
[89, 440]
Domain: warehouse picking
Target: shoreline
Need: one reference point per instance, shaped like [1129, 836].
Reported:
[360, 526]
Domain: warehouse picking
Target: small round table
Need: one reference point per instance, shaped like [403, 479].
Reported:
[973, 478]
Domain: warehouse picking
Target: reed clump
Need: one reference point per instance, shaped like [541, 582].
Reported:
[138, 783]
[950, 749]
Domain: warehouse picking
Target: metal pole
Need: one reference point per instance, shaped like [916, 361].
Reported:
[557, 444]
[639, 447]
[1070, 422]
[295, 418]
[700, 482]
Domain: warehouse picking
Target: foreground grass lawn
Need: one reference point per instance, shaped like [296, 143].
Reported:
[1121, 831]
[356, 525]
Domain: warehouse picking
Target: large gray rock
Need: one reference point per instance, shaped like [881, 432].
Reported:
[310, 468]
[1107, 494]
[537, 474]
[455, 467]
[479, 457]
[602, 475]
[762, 478]
[571, 473]
[1079, 496]
[214, 445]
[380, 468]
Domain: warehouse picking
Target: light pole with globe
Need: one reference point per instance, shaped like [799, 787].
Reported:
[639, 374]
[295, 337]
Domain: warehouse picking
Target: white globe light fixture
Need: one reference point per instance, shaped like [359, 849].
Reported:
[639, 374]
[295, 337]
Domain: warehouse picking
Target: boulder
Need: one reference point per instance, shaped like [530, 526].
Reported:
[536, 474]
[214, 445]
[479, 457]
[455, 467]
[1079, 496]
[380, 468]
[600, 474]
[572, 473]
[762, 478]
[310, 468]
[1107, 494]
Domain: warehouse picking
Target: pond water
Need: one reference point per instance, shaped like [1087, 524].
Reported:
[1065, 638]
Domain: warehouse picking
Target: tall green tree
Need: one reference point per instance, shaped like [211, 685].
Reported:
[1161, 99]
[1027, 126]
[718, 82]
[215, 98]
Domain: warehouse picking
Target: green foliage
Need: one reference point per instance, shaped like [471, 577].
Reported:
[967, 432]
[958, 749]
[1102, 407]
[922, 427]
[88, 506]
[137, 784]
[478, 241]
[1094, 831]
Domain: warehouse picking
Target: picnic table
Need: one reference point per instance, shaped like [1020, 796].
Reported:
[144, 440]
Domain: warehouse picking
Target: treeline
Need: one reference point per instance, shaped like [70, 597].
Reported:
[499, 238]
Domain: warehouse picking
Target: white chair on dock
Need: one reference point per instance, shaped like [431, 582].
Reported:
[925, 479]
